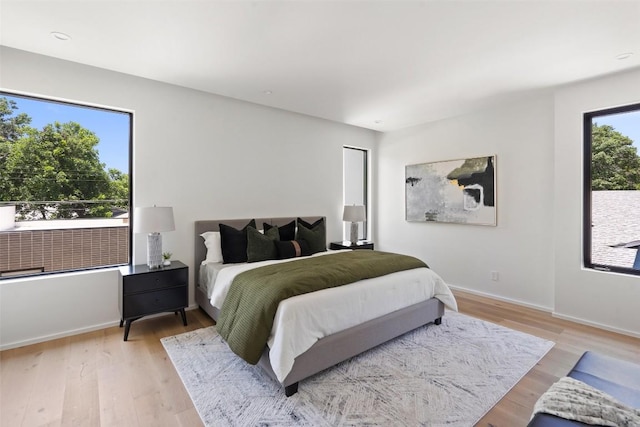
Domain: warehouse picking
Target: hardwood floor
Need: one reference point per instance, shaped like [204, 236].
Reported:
[571, 340]
[97, 379]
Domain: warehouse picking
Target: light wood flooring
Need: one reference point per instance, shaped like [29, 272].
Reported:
[96, 379]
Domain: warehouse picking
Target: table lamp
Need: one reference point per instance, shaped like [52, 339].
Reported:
[153, 220]
[354, 214]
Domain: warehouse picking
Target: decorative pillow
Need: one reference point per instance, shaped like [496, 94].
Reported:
[261, 247]
[310, 226]
[214, 248]
[287, 231]
[315, 236]
[234, 243]
[292, 249]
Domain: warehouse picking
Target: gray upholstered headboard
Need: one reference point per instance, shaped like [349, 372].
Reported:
[200, 251]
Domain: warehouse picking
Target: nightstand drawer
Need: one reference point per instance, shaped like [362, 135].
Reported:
[155, 281]
[154, 302]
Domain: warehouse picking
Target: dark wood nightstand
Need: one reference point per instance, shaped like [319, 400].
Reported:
[143, 291]
[361, 244]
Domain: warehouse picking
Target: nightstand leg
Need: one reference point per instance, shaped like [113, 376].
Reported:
[126, 329]
[121, 322]
[127, 326]
[184, 317]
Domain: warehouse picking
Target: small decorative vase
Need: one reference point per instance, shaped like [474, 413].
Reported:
[166, 262]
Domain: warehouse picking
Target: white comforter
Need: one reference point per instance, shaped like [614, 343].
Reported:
[302, 320]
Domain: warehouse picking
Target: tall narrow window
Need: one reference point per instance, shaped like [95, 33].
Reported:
[355, 184]
[64, 186]
[612, 189]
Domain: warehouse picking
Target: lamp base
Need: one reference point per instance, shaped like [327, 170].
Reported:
[354, 233]
[154, 250]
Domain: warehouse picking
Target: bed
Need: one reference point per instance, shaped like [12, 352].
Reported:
[326, 350]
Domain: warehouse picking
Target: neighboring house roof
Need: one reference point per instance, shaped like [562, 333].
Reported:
[615, 223]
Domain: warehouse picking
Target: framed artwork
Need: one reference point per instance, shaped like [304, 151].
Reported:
[456, 191]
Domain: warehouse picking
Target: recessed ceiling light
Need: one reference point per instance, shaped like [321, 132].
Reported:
[267, 92]
[624, 56]
[60, 36]
[377, 121]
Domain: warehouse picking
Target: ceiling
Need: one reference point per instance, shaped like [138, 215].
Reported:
[382, 65]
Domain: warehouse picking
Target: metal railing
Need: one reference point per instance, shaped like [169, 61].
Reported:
[38, 210]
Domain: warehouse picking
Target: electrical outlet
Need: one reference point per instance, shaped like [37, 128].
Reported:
[494, 276]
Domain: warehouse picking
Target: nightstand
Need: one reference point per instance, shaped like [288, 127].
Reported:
[361, 244]
[143, 291]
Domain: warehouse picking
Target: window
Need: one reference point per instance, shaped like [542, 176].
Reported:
[612, 189]
[355, 185]
[64, 186]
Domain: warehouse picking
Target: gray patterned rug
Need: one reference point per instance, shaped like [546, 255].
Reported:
[450, 375]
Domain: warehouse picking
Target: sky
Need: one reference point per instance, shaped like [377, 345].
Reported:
[627, 124]
[112, 128]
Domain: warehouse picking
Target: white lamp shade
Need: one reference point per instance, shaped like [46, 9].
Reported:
[354, 213]
[153, 220]
[7, 217]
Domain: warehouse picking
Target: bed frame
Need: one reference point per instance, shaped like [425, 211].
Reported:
[332, 349]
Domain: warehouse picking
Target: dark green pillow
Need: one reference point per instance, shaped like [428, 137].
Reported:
[287, 231]
[262, 247]
[316, 237]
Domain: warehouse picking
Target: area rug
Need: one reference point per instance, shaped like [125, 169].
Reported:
[451, 374]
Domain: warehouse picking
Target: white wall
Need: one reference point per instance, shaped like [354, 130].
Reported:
[205, 155]
[214, 157]
[537, 245]
[602, 299]
[519, 247]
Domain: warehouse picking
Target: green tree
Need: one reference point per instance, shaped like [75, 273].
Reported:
[58, 165]
[12, 127]
[119, 188]
[615, 164]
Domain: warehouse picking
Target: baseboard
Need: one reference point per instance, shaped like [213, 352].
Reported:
[499, 298]
[596, 325]
[58, 335]
[548, 310]
[72, 332]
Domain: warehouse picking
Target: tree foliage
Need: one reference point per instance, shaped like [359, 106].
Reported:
[55, 172]
[119, 188]
[615, 164]
[12, 128]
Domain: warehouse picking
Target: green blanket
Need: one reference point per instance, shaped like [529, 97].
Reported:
[249, 309]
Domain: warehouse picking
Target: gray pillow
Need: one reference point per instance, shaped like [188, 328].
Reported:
[262, 247]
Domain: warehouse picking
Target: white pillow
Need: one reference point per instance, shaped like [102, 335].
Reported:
[214, 248]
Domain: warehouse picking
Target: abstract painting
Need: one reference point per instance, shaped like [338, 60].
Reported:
[456, 191]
